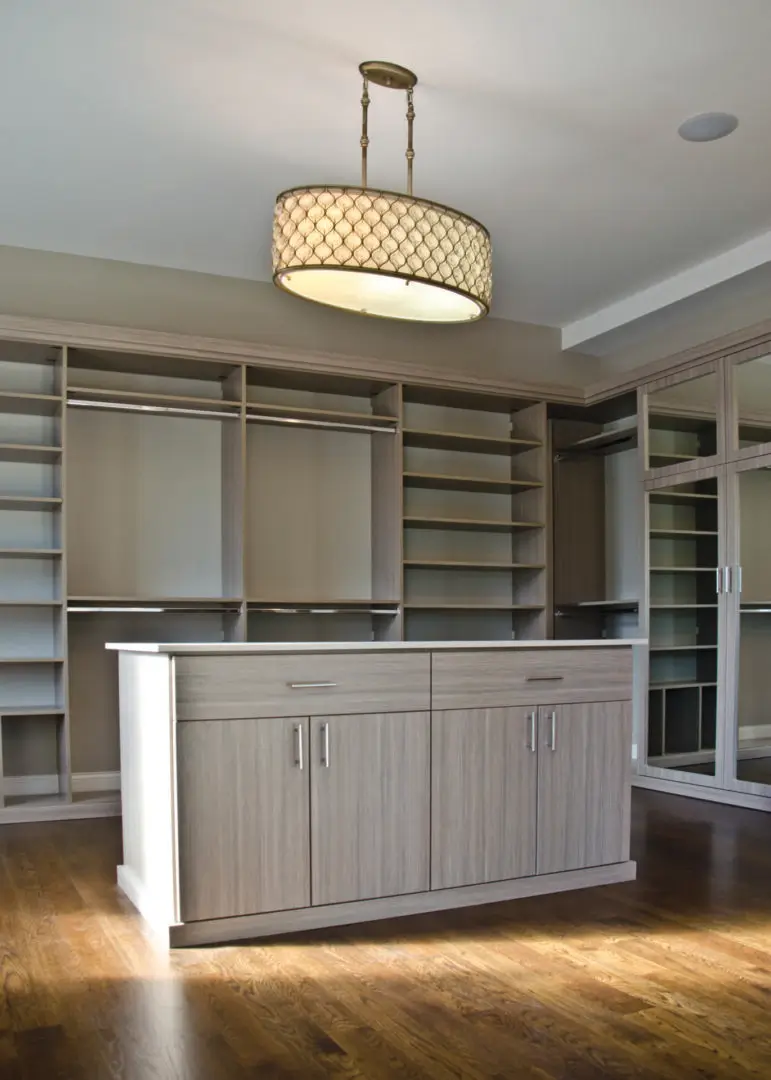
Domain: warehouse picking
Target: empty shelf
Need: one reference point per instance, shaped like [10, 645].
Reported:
[475, 444]
[29, 502]
[45, 455]
[442, 482]
[140, 398]
[669, 459]
[679, 684]
[100, 604]
[608, 605]
[30, 404]
[30, 553]
[324, 607]
[31, 710]
[469, 524]
[680, 648]
[442, 564]
[30, 660]
[335, 417]
[472, 607]
[674, 533]
[683, 569]
[30, 603]
[678, 607]
[664, 495]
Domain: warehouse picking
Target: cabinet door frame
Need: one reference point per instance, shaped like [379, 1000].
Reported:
[732, 363]
[730, 702]
[679, 378]
[656, 483]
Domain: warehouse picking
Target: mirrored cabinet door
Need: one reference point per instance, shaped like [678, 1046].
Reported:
[749, 711]
[684, 421]
[684, 557]
[749, 426]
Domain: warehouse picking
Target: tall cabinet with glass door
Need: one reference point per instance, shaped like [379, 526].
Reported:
[706, 446]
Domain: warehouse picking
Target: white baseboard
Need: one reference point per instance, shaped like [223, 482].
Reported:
[49, 784]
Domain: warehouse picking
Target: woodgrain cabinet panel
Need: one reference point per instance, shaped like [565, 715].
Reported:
[583, 785]
[484, 772]
[370, 793]
[489, 678]
[243, 819]
[227, 687]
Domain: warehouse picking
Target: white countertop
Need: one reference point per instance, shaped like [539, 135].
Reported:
[262, 647]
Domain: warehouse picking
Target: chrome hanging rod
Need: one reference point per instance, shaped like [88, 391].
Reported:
[101, 609]
[321, 610]
[170, 410]
[336, 425]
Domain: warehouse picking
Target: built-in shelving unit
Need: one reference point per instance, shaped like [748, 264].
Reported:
[475, 484]
[683, 561]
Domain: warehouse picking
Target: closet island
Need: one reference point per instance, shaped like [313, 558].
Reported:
[274, 787]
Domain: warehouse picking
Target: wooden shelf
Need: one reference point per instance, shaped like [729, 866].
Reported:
[321, 606]
[117, 604]
[442, 564]
[29, 502]
[683, 569]
[675, 533]
[475, 444]
[442, 482]
[30, 603]
[679, 648]
[31, 710]
[472, 607]
[469, 524]
[30, 660]
[140, 398]
[606, 605]
[23, 452]
[333, 416]
[678, 607]
[30, 404]
[30, 553]
[679, 684]
[665, 495]
[670, 459]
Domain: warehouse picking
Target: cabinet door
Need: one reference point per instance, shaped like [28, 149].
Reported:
[484, 774]
[370, 792]
[584, 785]
[243, 816]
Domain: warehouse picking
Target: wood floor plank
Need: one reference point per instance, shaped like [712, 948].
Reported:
[665, 978]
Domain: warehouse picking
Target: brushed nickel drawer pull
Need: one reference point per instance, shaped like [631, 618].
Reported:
[532, 746]
[325, 745]
[544, 678]
[298, 731]
[310, 685]
[553, 743]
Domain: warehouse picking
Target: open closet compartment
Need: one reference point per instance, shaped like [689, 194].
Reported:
[475, 511]
[323, 493]
[597, 520]
[34, 730]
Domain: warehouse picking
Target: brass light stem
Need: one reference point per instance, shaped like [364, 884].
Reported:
[364, 135]
[410, 154]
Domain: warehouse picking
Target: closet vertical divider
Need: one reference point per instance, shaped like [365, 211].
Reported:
[64, 757]
[531, 588]
[234, 507]
[387, 513]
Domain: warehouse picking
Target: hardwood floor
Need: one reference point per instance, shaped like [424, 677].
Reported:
[666, 978]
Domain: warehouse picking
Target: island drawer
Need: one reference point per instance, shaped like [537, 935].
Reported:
[473, 680]
[233, 687]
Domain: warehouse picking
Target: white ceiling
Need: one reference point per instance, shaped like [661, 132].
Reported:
[159, 131]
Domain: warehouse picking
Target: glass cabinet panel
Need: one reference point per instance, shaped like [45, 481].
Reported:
[752, 398]
[683, 626]
[751, 603]
[683, 421]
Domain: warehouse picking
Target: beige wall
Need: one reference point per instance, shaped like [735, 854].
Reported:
[48, 285]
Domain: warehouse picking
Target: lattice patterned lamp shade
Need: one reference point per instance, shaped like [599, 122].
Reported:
[382, 253]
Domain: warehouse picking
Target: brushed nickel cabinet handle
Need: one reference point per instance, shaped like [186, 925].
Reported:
[325, 745]
[544, 678]
[298, 758]
[553, 740]
[310, 685]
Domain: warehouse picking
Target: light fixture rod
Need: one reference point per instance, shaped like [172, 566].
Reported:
[410, 154]
[364, 135]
